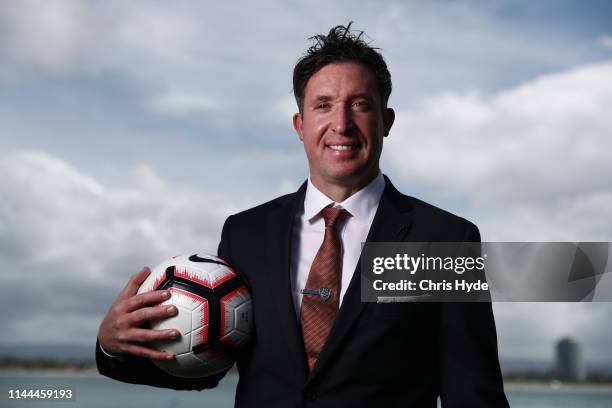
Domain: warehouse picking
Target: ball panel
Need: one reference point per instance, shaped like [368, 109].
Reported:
[180, 345]
[181, 321]
[235, 338]
[186, 299]
[199, 337]
[227, 318]
[242, 317]
[235, 317]
[189, 366]
[155, 278]
[214, 361]
[200, 316]
[237, 296]
[228, 304]
[207, 275]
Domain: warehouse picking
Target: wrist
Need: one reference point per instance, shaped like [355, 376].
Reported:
[119, 356]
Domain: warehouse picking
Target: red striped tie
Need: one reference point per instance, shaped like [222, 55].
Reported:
[319, 310]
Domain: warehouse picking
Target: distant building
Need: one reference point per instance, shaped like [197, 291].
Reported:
[569, 360]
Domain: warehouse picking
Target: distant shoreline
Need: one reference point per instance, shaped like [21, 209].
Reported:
[86, 372]
[549, 386]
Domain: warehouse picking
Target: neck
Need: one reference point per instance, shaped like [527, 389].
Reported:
[341, 191]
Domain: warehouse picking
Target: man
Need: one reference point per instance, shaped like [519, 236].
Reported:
[331, 350]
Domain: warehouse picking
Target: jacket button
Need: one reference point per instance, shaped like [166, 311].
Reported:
[310, 395]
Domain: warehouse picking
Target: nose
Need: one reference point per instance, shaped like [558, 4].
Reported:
[343, 120]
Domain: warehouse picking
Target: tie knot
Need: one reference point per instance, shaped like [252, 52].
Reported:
[331, 215]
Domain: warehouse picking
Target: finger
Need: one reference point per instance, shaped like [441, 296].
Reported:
[146, 335]
[147, 352]
[146, 314]
[143, 299]
[134, 283]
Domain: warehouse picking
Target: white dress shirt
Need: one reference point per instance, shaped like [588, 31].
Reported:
[309, 229]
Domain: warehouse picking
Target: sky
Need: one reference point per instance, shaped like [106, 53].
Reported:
[130, 130]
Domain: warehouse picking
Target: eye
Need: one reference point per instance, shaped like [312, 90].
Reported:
[361, 105]
[323, 105]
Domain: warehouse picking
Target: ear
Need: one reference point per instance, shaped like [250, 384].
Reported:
[388, 119]
[297, 125]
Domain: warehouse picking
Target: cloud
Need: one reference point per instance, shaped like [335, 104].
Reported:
[531, 330]
[76, 37]
[186, 57]
[606, 41]
[530, 163]
[54, 51]
[69, 243]
[187, 54]
[178, 103]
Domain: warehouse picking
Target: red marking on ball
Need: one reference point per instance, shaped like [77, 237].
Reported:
[184, 273]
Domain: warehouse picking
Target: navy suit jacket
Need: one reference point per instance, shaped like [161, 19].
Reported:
[392, 355]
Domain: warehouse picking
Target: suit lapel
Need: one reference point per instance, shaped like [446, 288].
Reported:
[391, 223]
[279, 237]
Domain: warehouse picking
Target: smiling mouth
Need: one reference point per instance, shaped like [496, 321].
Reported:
[343, 147]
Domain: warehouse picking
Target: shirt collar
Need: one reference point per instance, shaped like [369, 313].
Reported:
[361, 204]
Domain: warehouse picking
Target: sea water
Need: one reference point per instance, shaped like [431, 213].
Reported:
[95, 391]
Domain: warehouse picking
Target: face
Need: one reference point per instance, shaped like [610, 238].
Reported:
[342, 125]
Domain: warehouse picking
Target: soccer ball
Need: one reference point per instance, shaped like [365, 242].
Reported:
[214, 314]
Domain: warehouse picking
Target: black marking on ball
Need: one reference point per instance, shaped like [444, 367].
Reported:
[196, 258]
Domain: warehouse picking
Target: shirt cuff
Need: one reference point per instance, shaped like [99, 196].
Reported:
[116, 356]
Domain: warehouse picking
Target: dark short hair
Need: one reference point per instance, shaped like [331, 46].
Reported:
[340, 45]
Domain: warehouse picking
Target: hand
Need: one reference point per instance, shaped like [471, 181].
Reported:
[122, 329]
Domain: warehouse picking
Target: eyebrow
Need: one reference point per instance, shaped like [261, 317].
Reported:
[362, 95]
[327, 98]
[323, 98]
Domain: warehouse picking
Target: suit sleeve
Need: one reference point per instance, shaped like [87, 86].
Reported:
[223, 251]
[470, 372]
[139, 370]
